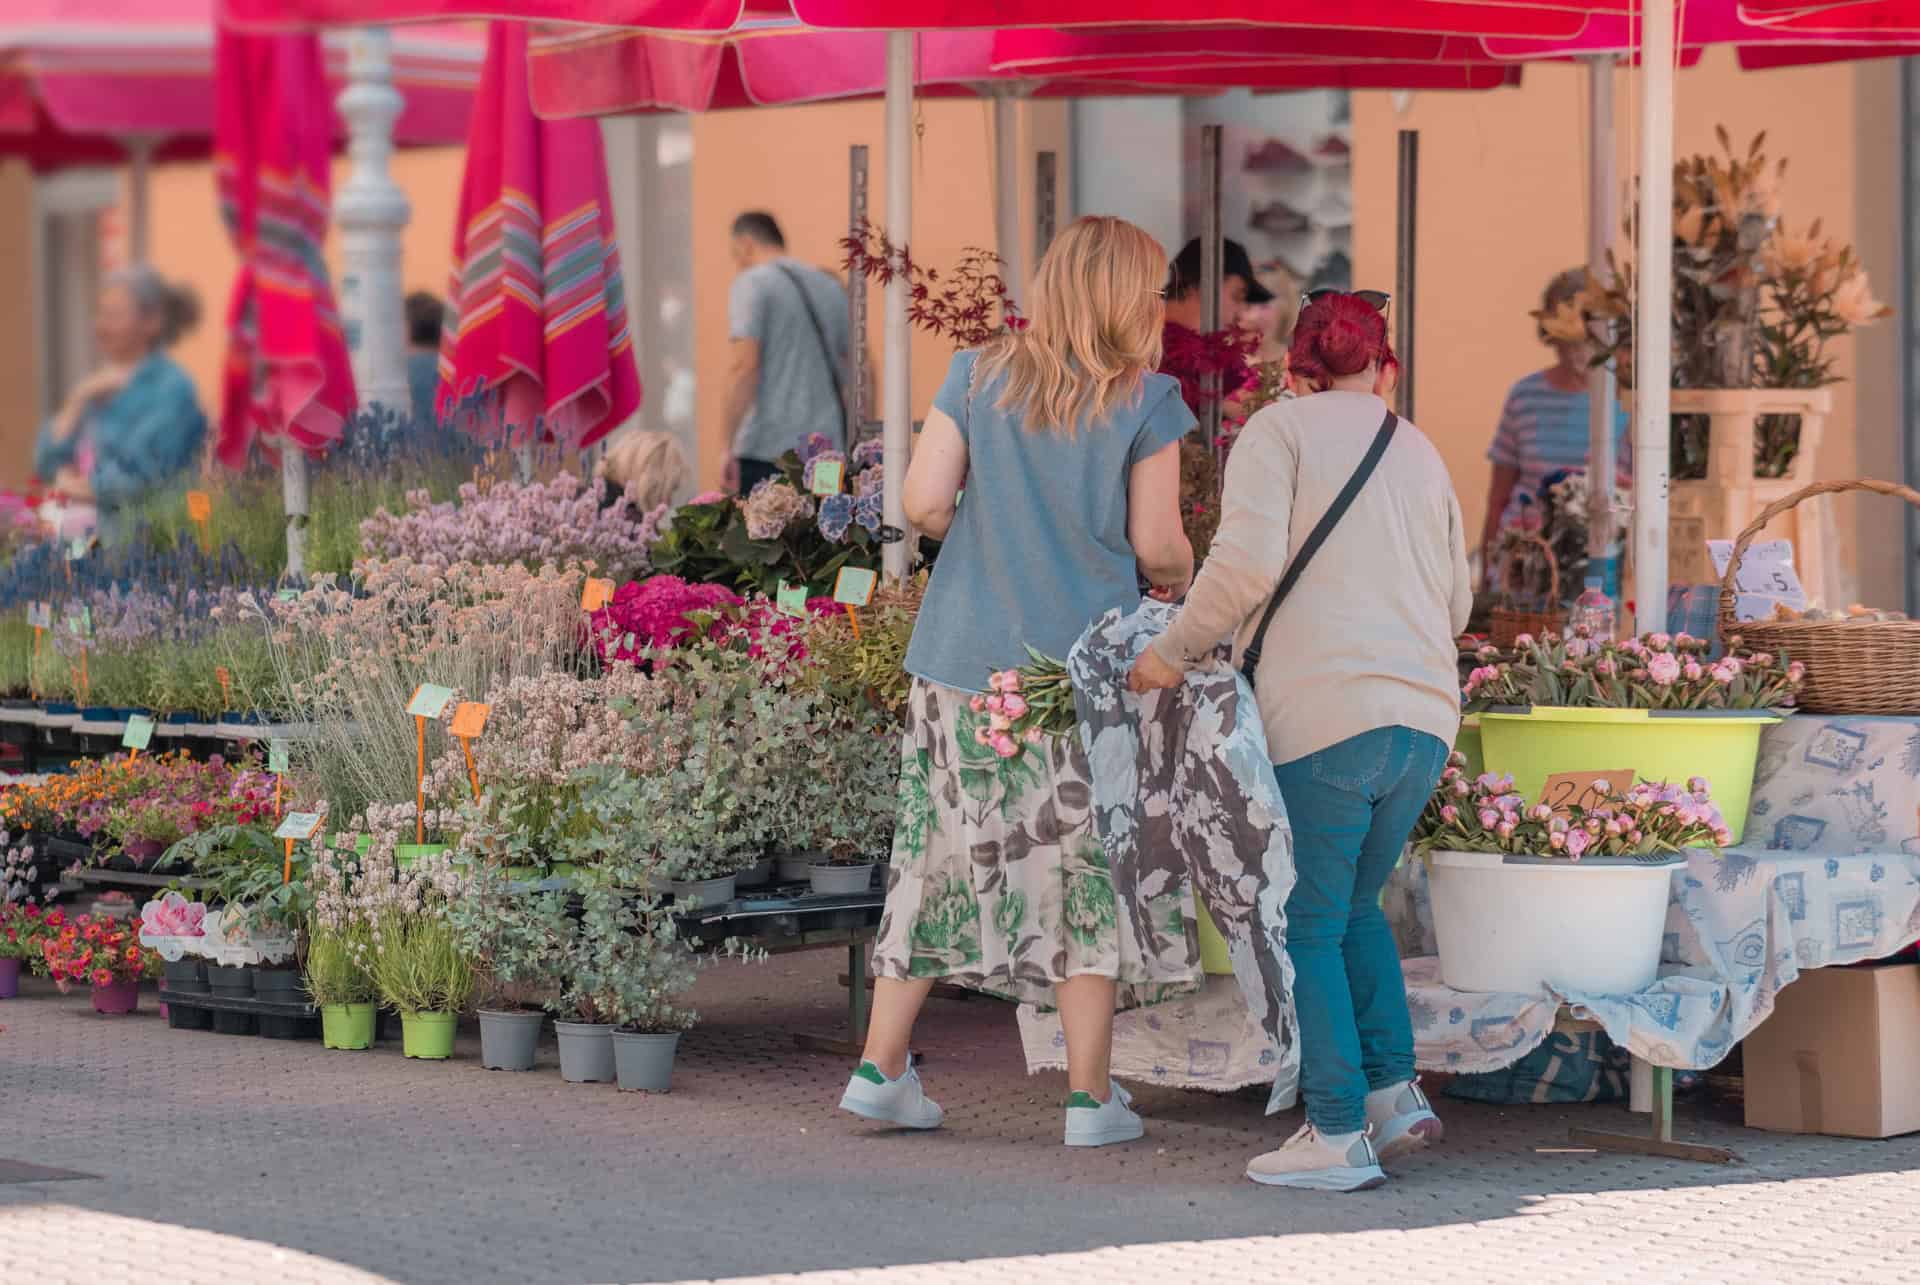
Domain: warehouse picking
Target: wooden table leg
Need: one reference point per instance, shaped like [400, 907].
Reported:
[1659, 1142]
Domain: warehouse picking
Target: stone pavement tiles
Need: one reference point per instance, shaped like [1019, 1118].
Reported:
[242, 1159]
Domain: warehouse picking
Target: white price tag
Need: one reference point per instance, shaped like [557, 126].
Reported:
[1766, 577]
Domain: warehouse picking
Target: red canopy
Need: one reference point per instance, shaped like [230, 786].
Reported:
[80, 77]
[1899, 18]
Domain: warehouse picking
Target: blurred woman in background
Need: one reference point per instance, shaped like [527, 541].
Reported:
[133, 425]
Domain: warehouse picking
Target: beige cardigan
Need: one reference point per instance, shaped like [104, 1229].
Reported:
[1367, 637]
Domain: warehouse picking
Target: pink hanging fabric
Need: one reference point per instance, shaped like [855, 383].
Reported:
[537, 331]
[288, 378]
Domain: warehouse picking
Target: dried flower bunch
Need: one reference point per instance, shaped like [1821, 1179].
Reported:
[1754, 305]
[1489, 815]
[1656, 671]
[557, 521]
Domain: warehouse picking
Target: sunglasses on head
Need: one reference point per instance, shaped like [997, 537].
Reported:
[1378, 300]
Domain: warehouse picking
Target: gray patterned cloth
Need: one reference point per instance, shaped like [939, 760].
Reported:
[1183, 788]
[1830, 875]
[1740, 926]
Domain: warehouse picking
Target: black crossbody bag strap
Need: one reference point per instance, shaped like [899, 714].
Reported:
[1250, 661]
[826, 352]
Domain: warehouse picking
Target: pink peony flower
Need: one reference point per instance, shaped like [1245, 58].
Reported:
[1660, 642]
[1577, 842]
[994, 680]
[1015, 706]
[1033, 736]
[996, 705]
[1005, 746]
[1664, 669]
[1692, 671]
[982, 736]
[1796, 672]
[1522, 641]
[1504, 829]
[1010, 681]
[1556, 841]
[1488, 817]
[1449, 813]
[978, 704]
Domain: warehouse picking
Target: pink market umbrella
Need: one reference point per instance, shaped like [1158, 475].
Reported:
[538, 319]
[1884, 18]
[1703, 23]
[288, 379]
[660, 15]
[78, 75]
[576, 72]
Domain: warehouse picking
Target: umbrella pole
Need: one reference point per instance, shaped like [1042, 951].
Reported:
[1406, 273]
[1006, 189]
[372, 212]
[1602, 549]
[1653, 323]
[896, 337]
[140, 150]
[1211, 253]
[293, 494]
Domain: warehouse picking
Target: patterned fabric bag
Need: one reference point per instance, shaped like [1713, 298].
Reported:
[1584, 1067]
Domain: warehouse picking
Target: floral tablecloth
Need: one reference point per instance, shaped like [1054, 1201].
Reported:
[1831, 875]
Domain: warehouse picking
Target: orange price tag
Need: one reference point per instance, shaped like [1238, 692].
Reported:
[596, 594]
[199, 506]
[470, 718]
[226, 684]
[1567, 790]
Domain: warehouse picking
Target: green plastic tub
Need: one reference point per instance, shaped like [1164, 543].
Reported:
[1657, 745]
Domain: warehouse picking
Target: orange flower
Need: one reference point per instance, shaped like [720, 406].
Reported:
[133, 954]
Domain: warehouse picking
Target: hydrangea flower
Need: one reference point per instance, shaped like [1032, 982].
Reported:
[836, 515]
[773, 507]
[867, 511]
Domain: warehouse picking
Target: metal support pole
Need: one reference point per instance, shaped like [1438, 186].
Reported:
[1603, 549]
[1006, 190]
[1046, 201]
[140, 150]
[1211, 254]
[897, 338]
[1653, 322]
[858, 173]
[1406, 264]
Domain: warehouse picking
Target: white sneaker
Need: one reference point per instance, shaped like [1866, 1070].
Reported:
[1092, 1123]
[1318, 1163]
[902, 1101]
[1402, 1120]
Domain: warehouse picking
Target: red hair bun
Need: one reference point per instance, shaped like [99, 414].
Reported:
[1338, 335]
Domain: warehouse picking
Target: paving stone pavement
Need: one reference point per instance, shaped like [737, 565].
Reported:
[240, 1159]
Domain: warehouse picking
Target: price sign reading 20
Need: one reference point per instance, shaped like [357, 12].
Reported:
[1567, 790]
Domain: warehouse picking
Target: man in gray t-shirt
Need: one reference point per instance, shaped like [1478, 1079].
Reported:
[790, 333]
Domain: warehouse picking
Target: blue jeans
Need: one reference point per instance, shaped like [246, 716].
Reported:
[1352, 807]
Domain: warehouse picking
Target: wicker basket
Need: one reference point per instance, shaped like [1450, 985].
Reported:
[1868, 668]
[1510, 622]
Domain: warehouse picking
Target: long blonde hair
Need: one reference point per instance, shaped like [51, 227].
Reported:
[1094, 328]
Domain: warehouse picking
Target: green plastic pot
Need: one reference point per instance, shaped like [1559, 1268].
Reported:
[405, 854]
[1657, 745]
[427, 1035]
[346, 1026]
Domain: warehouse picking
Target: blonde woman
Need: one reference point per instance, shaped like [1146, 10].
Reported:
[1067, 445]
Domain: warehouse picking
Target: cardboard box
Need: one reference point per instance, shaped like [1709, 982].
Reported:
[1840, 1055]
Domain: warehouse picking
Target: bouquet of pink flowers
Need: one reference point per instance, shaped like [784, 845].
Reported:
[1655, 671]
[1022, 705]
[1488, 815]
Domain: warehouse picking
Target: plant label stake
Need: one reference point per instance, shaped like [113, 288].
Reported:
[200, 510]
[297, 826]
[80, 623]
[827, 477]
[138, 736]
[429, 701]
[277, 764]
[226, 685]
[1567, 790]
[469, 720]
[595, 594]
[853, 587]
[791, 600]
[40, 616]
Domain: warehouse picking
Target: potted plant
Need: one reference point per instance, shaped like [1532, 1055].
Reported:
[855, 778]
[22, 929]
[244, 872]
[654, 968]
[339, 952]
[415, 959]
[1755, 306]
[174, 928]
[515, 939]
[1526, 896]
[104, 955]
[1660, 704]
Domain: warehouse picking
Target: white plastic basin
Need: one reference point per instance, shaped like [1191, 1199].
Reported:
[1569, 925]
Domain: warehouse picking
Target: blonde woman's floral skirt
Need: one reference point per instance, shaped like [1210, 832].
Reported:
[999, 881]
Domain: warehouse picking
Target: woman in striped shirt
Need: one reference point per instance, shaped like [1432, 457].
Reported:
[1543, 426]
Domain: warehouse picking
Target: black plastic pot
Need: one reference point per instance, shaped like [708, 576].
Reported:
[187, 977]
[282, 986]
[232, 983]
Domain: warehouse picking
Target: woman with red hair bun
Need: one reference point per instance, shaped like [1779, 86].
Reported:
[1340, 574]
